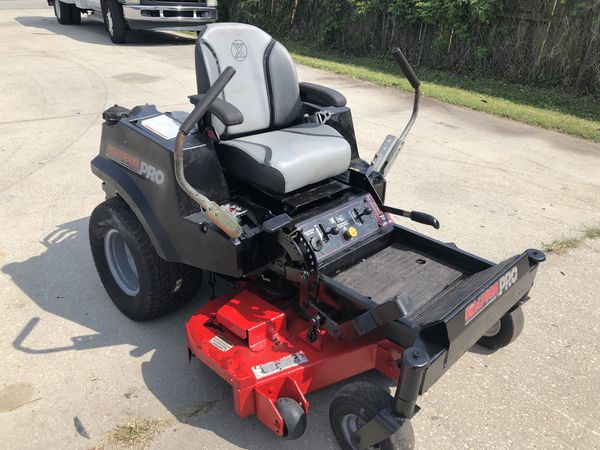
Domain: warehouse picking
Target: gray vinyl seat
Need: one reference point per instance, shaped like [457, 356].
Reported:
[270, 148]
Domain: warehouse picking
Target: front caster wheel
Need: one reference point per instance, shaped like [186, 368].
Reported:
[506, 330]
[354, 406]
[139, 282]
[294, 417]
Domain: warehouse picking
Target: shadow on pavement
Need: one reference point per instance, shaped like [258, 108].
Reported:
[479, 350]
[92, 32]
[63, 281]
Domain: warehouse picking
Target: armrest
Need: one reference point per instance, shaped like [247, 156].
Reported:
[225, 111]
[321, 95]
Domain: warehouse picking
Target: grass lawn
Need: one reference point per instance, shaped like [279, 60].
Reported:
[549, 108]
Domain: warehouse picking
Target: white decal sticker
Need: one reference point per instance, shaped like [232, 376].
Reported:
[163, 125]
[221, 343]
[287, 362]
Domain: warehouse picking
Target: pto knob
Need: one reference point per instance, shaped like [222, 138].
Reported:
[350, 233]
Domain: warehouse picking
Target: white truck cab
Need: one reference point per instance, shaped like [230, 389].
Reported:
[120, 15]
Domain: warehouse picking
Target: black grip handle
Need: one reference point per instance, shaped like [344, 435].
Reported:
[409, 73]
[208, 98]
[425, 219]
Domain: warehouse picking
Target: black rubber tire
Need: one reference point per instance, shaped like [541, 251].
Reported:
[75, 15]
[163, 286]
[294, 417]
[118, 30]
[62, 12]
[511, 325]
[103, 11]
[365, 400]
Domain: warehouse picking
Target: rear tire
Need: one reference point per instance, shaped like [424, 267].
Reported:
[75, 15]
[62, 11]
[354, 406]
[139, 282]
[505, 331]
[114, 21]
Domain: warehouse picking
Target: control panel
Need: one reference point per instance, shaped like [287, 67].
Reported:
[340, 227]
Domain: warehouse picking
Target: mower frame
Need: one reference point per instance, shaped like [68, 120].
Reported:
[268, 351]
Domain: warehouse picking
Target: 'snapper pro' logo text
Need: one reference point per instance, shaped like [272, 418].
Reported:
[491, 294]
[135, 164]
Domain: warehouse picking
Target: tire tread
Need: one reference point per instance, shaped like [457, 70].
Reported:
[65, 13]
[75, 15]
[158, 277]
[119, 26]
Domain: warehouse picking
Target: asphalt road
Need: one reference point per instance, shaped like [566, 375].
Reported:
[73, 367]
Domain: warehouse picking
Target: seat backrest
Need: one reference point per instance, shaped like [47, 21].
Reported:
[265, 86]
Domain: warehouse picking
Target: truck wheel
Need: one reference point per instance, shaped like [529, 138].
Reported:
[114, 21]
[75, 15]
[139, 282]
[354, 406]
[506, 330]
[62, 11]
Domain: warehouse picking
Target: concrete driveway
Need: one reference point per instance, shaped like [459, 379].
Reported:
[72, 367]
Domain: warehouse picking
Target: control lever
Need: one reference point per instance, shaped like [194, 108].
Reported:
[415, 216]
[334, 230]
[222, 218]
[387, 153]
[365, 212]
[314, 329]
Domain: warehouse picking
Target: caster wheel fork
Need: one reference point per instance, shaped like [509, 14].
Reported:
[355, 406]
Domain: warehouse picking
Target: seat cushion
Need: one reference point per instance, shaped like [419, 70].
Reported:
[285, 160]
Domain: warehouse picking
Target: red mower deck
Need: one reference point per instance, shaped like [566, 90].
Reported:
[263, 353]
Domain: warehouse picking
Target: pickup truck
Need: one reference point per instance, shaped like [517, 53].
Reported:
[122, 15]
